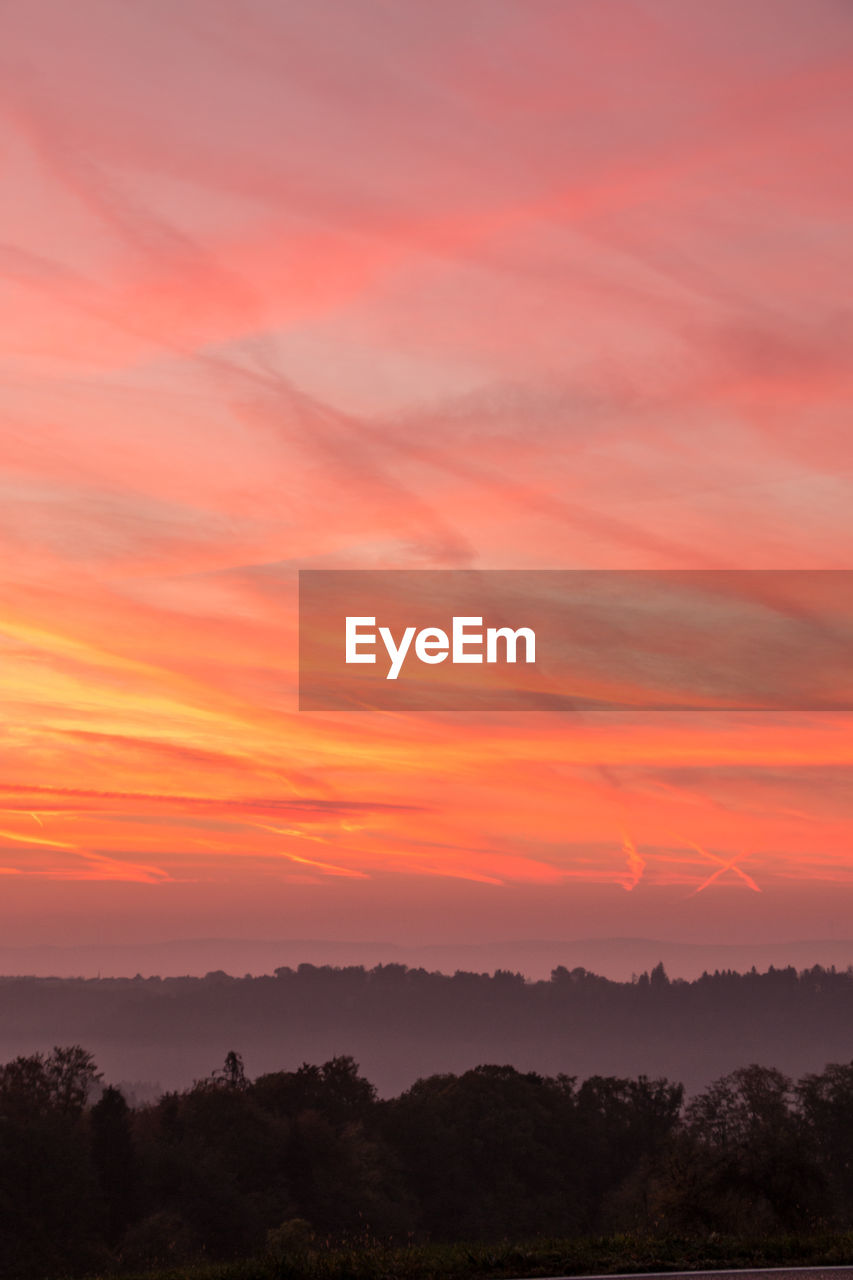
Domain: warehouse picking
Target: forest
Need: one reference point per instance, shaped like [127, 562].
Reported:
[402, 1023]
[305, 1159]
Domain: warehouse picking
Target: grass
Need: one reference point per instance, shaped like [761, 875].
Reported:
[373, 1260]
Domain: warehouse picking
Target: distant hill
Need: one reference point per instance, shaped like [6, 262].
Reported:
[616, 958]
[401, 1023]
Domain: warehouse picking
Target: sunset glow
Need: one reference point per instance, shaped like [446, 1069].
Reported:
[514, 285]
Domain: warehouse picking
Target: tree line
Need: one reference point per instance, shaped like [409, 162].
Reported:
[401, 1023]
[233, 1166]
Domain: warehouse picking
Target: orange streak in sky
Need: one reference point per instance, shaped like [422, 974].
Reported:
[724, 866]
[636, 863]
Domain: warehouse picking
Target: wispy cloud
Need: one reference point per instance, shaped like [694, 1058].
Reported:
[564, 294]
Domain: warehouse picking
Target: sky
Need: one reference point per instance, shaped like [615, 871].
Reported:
[490, 284]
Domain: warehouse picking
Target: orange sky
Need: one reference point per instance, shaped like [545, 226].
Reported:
[499, 285]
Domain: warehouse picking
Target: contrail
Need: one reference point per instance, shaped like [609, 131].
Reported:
[37, 840]
[636, 863]
[724, 866]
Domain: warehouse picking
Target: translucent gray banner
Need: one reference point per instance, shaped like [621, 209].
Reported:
[561, 639]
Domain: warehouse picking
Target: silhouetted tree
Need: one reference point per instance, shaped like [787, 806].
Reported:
[233, 1073]
[114, 1157]
[49, 1196]
[759, 1173]
[825, 1103]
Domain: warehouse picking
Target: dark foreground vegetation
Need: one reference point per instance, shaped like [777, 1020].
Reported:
[371, 1260]
[313, 1175]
